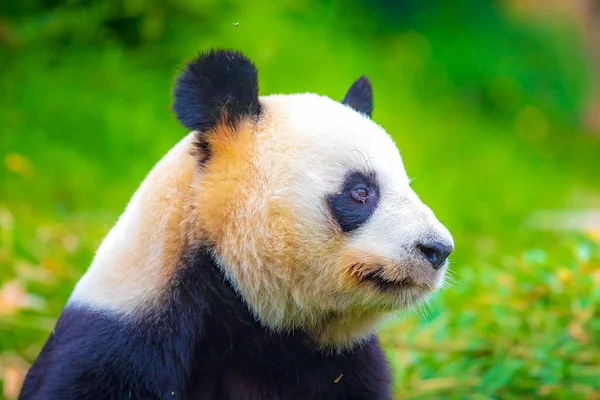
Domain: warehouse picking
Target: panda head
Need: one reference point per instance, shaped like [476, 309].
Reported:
[305, 203]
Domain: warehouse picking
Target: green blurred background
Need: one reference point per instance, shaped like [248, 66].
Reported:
[490, 102]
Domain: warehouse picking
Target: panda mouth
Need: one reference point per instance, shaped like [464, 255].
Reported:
[382, 283]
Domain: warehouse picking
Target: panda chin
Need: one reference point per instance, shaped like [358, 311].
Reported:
[380, 282]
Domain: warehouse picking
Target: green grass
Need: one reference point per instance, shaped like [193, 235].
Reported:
[81, 125]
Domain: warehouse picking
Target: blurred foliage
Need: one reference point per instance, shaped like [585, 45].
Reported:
[483, 106]
[89, 22]
[497, 67]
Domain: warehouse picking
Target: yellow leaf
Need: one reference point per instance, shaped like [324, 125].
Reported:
[594, 235]
[12, 379]
[564, 275]
[19, 164]
[12, 298]
[577, 332]
[596, 276]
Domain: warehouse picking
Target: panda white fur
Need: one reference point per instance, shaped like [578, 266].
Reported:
[255, 260]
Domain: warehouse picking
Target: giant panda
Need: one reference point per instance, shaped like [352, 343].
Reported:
[256, 259]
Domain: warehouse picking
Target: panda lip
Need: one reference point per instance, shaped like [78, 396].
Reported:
[377, 279]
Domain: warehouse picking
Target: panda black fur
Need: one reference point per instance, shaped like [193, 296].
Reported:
[255, 260]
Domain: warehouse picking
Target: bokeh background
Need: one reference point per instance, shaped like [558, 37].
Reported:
[495, 106]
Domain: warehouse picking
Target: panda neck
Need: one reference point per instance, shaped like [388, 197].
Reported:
[231, 321]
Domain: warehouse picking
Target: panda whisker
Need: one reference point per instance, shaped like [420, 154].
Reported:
[449, 280]
[423, 309]
[366, 160]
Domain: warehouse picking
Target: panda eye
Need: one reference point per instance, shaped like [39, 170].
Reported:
[360, 194]
[357, 200]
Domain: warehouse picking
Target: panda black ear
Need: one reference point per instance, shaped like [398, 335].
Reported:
[218, 86]
[360, 96]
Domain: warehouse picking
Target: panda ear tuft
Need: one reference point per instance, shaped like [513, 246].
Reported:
[218, 86]
[360, 96]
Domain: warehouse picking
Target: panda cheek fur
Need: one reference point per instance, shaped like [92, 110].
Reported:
[223, 178]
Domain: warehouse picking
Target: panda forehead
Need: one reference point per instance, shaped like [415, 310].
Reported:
[329, 135]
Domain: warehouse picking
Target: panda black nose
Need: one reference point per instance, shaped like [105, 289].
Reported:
[435, 252]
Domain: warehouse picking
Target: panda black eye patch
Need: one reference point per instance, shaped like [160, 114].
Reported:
[356, 202]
